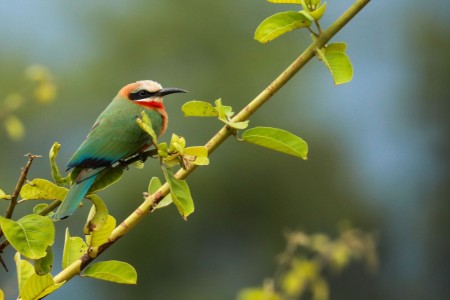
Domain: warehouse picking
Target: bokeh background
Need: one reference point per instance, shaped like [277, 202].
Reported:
[379, 146]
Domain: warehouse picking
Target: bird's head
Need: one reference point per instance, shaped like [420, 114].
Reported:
[147, 93]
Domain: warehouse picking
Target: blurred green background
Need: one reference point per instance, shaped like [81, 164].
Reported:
[378, 146]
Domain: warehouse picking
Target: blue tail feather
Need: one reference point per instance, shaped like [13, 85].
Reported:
[74, 198]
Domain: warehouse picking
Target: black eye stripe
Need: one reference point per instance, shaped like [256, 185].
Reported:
[141, 94]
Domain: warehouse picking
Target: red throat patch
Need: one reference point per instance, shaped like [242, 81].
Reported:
[151, 104]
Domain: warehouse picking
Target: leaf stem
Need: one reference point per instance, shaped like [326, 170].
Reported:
[318, 26]
[152, 200]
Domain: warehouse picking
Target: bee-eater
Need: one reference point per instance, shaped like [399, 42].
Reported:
[115, 136]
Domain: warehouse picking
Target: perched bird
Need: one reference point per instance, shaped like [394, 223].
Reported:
[115, 136]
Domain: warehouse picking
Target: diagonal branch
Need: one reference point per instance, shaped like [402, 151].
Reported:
[20, 183]
[152, 200]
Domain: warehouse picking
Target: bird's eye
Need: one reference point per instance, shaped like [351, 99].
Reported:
[144, 93]
[141, 94]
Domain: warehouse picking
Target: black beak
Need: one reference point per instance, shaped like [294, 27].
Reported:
[167, 91]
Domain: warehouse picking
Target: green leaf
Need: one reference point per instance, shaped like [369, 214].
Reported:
[285, 1]
[278, 140]
[56, 174]
[172, 160]
[340, 66]
[2, 194]
[14, 127]
[336, 47]
[279, 24]
[107, 178]
[177, 144]
[337, 62]
[166, 201]
[238, 125]
[74, 248]
[146, 124]
[40, 207]
[98, 215]
[197, 155]
[30, 235]
[36, 287]
[224, 111]
[181, 196]
[310, 4]
[31, 285]
[42, 189]
[113, 270]
[100, 236]
[153, 186]
[44, 264]
[318, 12]
[24, 270]
[197, 108]
[163, 149]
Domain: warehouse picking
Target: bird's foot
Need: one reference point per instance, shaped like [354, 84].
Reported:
[124, 164]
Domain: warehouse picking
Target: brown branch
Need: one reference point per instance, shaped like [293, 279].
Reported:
[2, 262]
[15, 196]
[20, 183]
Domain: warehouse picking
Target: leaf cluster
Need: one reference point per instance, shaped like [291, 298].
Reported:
[32, 236]
[272, 138]
[332, 55]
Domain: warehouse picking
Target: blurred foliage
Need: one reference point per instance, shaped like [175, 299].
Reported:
[302, 267]
[38, 87]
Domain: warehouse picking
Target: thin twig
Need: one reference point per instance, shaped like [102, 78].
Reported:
[15, 196]
[2, 262]
[20, 183]
[151, 200]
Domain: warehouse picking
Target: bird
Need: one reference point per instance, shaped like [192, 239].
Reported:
[116, 136]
